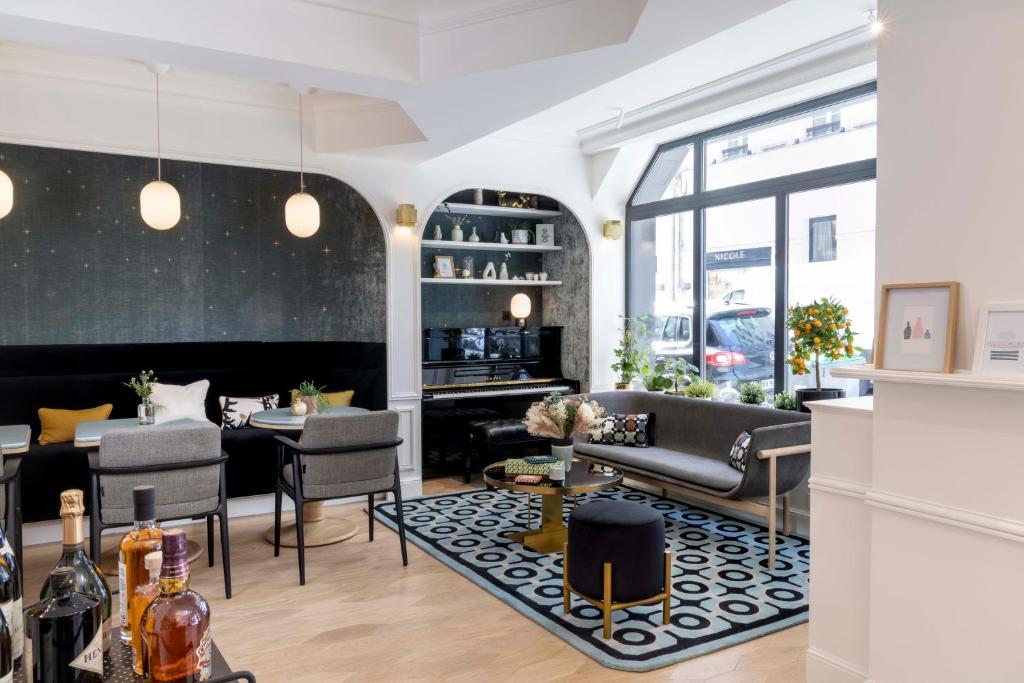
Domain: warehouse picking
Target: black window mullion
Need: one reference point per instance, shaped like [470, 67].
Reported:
[699, 314]
[781, 287]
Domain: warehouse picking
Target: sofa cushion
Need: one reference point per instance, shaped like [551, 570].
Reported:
[235, 412]
[58, 425]
[173, 401]
[669, 464]
[738, 454]
[624, 429]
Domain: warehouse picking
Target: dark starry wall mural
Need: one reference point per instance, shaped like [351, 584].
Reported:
[78, 265]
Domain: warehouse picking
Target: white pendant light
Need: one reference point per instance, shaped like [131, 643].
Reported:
[6, 194]
[159, 202]
[301, 211]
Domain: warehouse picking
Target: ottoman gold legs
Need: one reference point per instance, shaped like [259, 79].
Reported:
[605, 604]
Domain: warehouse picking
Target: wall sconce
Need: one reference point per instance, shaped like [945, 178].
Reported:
[613, 230]
[405, 218]
[520, 308]
[6, 194]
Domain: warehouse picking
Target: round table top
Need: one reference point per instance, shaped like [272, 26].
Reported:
[282, 418]
[579, 479]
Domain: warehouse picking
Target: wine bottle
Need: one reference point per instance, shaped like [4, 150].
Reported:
[176, 643]
[7, 609]
[144, 595]
[64, 634]
[133, 550]
[6, 651]
[89, 579]
[17, 624]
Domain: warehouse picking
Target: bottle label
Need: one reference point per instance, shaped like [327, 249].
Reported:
[5, 548]
[91, 658]
[9, 678]
[18, 630]
[204, 656]
[122, 591]
[8, 611]
[107, 623]
[27, 665]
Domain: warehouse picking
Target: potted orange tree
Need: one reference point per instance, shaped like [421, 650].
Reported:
[821, 332]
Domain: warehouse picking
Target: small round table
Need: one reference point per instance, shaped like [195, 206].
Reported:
[552, 533]
[318, 529]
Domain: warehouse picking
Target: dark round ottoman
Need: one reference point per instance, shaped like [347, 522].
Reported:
[616, 558]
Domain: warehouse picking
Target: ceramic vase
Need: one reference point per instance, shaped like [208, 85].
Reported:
[310, 402]
[437, 232]
[456, 234]
[298, 409]
[489, 273]
[473, 237]
[503, 273]
[562, 449]
[478, 196]
[556, 472]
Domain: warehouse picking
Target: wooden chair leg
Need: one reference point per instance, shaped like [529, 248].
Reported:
[209, 538]
[369, 510]
[785, 515]
[666, 605]
[772, 514]
[566, 601]
[607, 600]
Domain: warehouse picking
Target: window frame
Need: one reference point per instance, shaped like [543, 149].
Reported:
[811, 242]
[779, 187]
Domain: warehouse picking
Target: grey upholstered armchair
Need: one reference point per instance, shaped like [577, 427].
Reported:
[183, 460]
[339, 456]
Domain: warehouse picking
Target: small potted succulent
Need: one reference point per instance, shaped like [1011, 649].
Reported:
[752, 393]
[142, 385]
[821, 332]
[785, 400]
[701, 388]
[559, 419]
[311, 397]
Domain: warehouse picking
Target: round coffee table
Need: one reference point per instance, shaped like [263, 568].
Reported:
[552, 533]
[318, 529]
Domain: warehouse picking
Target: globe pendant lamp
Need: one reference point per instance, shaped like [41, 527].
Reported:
[159, 202]
[6, 194]
[301, 211]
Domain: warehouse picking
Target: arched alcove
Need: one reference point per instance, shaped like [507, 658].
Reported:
[81, 267]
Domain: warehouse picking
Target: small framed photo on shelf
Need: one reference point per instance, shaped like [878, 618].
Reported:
[916, 326]
[545, 235]
[999, 344]
[444, 267]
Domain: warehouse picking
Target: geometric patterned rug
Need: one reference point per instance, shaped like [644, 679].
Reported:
[721, 593]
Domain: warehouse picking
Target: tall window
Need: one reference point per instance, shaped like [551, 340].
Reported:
[730, 227]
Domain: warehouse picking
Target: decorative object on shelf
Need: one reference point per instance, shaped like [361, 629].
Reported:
[701, 388]
[457, 221]
[516, 201]
[405, 217]
[301, 211]
[520, 307]
[313, 396]
[473, 237]
[457, 233]
[612, 230]
[560, 419]
[542, 276]
[467, 268]
[821, 333]
[444, 267]
[503, 239]
[785, 400]
[159, 202]
[65, 629]
[521, 233]
[545, 234]
[143, 388]
[437, 233]
[489, 272]
[628, 353]
[503, 273]
[478, 196]
[999, 344]
[6, 194]
[752, 393]
[299, 408]
[916, 326]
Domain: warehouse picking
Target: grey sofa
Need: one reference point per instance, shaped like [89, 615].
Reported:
[691, 440]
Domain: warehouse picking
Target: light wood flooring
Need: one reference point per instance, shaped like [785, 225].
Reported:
[363, 617]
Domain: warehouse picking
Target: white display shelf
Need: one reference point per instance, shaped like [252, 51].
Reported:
[961, 378]
[484, 210]
[489, 283]
[485, 246]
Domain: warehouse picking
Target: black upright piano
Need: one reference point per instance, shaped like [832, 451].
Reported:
[482, 373]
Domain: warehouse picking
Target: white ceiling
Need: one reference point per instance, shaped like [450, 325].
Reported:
[438, 74]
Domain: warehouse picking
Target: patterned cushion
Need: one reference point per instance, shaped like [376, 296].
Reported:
[621, 429]
[738, 453]
[235, 412]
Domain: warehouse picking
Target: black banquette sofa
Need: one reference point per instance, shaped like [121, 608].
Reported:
[84, 376]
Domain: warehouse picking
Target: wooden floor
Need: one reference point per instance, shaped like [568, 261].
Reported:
[363, 617]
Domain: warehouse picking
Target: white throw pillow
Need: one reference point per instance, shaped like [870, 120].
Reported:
[174, 402]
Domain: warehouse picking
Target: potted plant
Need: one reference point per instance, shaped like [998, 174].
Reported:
[142, 385]
[680, 375]
[701, 388]
[785, 400]
[752, 393]
[559, 419]
[312, 397]
[656, 376]
[629, 355]
[821, 332]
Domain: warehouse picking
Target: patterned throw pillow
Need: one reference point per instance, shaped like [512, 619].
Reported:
[235, 412]
[738, 454]
[620, 429]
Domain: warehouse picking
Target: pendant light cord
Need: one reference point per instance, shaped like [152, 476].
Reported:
[302, 184]
[158, 176]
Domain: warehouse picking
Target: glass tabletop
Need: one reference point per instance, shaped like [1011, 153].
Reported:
[581, 478]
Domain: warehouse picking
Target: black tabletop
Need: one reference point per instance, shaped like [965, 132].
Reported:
[581, 478]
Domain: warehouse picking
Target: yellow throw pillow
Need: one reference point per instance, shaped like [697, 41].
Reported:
[59, 425]
[335, 398]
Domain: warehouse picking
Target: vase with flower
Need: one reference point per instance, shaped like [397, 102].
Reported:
[142, 385]
[560, 419]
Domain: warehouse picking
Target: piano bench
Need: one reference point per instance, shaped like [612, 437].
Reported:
[493, 439]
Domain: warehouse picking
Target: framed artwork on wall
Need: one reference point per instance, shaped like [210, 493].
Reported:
[444, 267]
[916, 326]
[545, 234]
[999, 343]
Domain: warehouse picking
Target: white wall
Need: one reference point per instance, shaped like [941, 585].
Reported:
[949, 150]
[84, 103]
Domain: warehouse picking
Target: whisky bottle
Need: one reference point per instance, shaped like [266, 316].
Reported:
[89, 579]
[135, 545]
[17, 624]
[64, 634]
[176, 645]
[144, 595]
